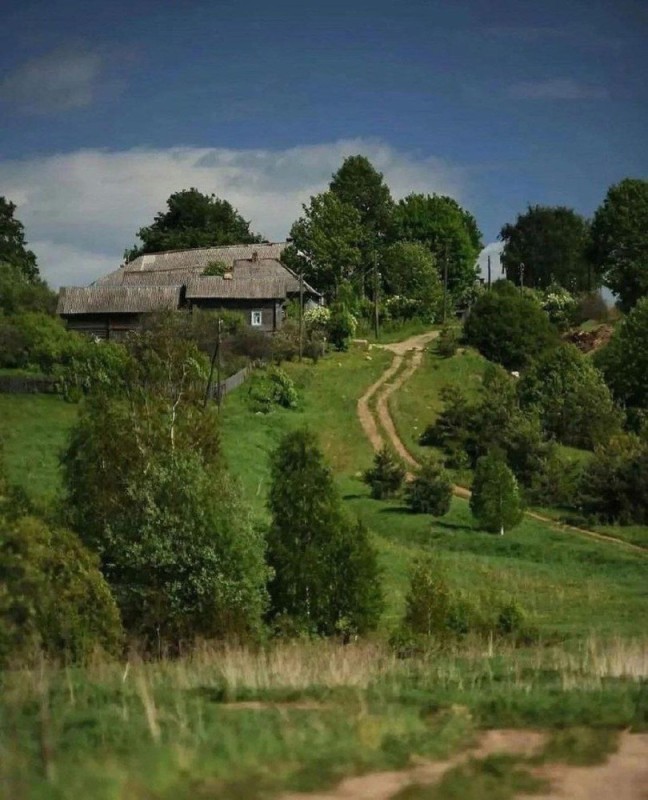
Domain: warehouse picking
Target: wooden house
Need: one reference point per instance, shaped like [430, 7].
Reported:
[252, 281]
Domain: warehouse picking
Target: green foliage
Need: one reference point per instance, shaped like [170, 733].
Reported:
[19, 293]
[147, 490]
[52, 597]
[624, 360]
[216, 269]
[272, 387]
[614, 486]
[430, 491]
[508, 327]
[569, 393]
[447, 230]
[385, 476]
[13, 247]
[620, 240]
[341, 327]
[34, 340]
[447, 342]
[325, 574]
[359, 185]
[193, 219]
[409, 271]
[551, 242]
[329, 234]
[560, 306]
[495, 501]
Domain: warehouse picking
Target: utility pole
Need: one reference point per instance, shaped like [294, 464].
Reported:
[215, 364]
[445, 282]
[521, 274]
[376, 312]
[489, 271]
[301, 314]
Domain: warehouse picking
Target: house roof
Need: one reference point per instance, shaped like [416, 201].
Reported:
[236, 288]
[118, 299]
[198, 258]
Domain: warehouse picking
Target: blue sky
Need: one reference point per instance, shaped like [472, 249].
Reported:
[108, 108]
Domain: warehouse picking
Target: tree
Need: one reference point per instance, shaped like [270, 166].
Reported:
[53, 597]
[430, 491]
[19, 293]
[330, 235]
[385, 476]
[193, 219]
[570, 395]
[447, 230]
[409, 271]
[620, 240]
[147, 490]
[495, 499]
[325, 574]
[624, 360]
[509, 327]
[614, 484]
[13, 249]
[551, 242]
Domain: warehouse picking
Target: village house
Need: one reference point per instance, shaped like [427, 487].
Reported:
[250, 279]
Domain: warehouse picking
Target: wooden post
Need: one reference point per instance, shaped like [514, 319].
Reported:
[445, 282]
[301, 314]
[489, 271]
[376, 312]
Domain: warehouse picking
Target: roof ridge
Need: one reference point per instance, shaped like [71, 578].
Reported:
[210, 247]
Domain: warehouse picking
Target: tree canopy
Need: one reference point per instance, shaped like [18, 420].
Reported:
[359, 184]
[620, 240]
[624, 360]
[495, 500]
[13, 246]
[446, 229]
[330, 235]
[193, 219]
[551, 242]
[508, 326]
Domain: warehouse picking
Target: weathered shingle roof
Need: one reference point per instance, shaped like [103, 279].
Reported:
[235, 288]
[200, 257]
[118, 299]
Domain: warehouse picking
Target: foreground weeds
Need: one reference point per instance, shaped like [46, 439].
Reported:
[234, 722]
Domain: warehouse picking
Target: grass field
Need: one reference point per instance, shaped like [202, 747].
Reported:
[250, 723]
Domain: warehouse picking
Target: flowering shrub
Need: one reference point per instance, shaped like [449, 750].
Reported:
[559, 305]
[317, 317]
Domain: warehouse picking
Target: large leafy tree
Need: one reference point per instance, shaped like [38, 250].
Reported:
[624, 360]
[330, 235]
[325, 570]
[620, 240]
[495, 500]
[13, 247]
[409, 270]
[148, 491]
[447, 230]
[551, 242]
[509, 327]
[571, 397]
[193, 219]
[357, 183]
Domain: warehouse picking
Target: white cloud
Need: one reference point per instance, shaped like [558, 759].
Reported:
[82, 209]
[56, 81]
[558, 89]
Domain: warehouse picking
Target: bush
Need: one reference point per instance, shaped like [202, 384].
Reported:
[495, 499]
[272, 387]
[53, 596]
[452, 429]
[570, 395]
[448, 342]
[590, 306]
[430, 492]
[559, 305]
[386, 476]
[342, 326]
[508, 327]
[256, 345]
[33, 339]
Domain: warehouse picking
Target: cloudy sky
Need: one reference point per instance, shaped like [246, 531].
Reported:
[107, 108]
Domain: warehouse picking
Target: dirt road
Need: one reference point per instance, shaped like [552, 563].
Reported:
[379, 419]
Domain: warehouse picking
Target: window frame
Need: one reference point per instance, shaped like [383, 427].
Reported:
[256, 315]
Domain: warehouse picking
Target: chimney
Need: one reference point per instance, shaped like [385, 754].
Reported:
[255, 255]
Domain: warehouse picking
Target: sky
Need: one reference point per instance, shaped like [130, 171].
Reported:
[108, 108]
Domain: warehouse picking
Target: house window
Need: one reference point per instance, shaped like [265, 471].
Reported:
[256, 320]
